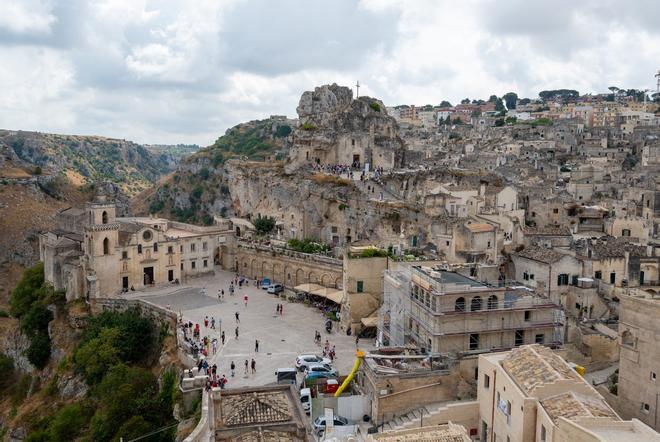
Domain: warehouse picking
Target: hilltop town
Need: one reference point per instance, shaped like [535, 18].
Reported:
[487, 270]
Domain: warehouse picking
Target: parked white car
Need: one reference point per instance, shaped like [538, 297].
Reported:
[302, 361]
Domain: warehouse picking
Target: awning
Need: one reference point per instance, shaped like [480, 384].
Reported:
[309, 288]
[371, 321]
[333, 295]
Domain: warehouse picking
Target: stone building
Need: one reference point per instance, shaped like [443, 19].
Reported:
[546, 270]
[639, 358]
[104, 254]
[532, 394]
[337, 129]
[442, 311]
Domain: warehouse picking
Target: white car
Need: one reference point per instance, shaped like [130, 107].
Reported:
[302, 361]
[319, 423]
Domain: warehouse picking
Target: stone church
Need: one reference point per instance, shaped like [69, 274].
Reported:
[94, 253]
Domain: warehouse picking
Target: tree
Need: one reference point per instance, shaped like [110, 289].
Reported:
[465, 101]
[499, 106]
[264, 224]
[283, 131]
[499, 122]
[38, 352]
[7, 370]
[445, 103]
[510, 98]
[492, 99]
[525, 101]
[561, 93]
[99, 354]
[28, 290]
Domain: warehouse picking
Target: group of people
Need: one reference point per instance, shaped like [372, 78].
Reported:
[329, 351]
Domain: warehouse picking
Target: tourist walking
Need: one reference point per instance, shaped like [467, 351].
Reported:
[357, 340]
[236, 331]
[233, 368]
[246, 366]
[214, 344]
[245, 299]
[281, 309]
[238, 320]
[223, 337]
[206, 322]
[256, 346]
[213, 323]
[253, 364]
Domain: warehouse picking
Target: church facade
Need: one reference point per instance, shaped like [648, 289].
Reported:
[94, 253]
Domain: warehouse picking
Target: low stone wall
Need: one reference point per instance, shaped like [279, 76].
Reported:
[161, 315]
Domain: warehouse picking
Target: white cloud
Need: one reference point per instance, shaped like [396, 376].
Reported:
[27, 16]
[185, 70]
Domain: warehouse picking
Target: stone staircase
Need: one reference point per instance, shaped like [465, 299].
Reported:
[432, 414]
[413, 418]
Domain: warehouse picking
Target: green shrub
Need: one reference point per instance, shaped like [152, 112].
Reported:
[38, 352]
[264, 224]
[36, 320]
[136, 334]
[308, 126]
[156, 206]
[204, 174]
[97, 355]
[4, 314]
[375, 106]
[28, 290]
[343, 206]
[283, 131]
[68, 422]
[373, 252]
[20, 389]
[307, 246]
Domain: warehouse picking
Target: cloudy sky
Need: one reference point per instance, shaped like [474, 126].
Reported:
[185, 70]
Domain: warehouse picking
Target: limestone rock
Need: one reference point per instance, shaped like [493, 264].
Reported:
[72, 387]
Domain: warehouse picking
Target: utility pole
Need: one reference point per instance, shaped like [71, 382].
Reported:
[357, 86]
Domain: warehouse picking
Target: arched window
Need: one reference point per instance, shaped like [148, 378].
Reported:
[475, 304]
[492, 302]
[104, 217]
[139, 248]
[106, 246]
[460, 305]
[155, 247]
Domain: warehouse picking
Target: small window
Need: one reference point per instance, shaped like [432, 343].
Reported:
[193, 265]
[181, 266]
[543, 434]
[474, 341]
[533, 214]
[106, 246]
[140, 248]
[124, 255]
[192, 247]
[540, 338]
[147, 235]
[646, 407]
[206, 263]
[625, 232]
[170, 249]
[526, 276]
[519, 338]
[531, 276]
[155, 247]
[555, 210]
[360, 286]
[528, 315]
[205, 246]
[598, 275]
[486, 381]
[653, 376]
[181, 249]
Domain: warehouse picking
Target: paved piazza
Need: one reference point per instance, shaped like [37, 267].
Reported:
[281, 339]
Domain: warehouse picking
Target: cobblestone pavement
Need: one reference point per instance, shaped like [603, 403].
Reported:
[281, 338]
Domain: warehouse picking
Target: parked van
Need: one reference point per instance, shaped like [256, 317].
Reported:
[286, 375]
[306, 399]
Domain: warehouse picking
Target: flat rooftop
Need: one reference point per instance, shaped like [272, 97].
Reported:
[448, 277]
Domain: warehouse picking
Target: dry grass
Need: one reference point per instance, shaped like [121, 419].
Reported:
[13, 172]
[75, 178]
[322, 178]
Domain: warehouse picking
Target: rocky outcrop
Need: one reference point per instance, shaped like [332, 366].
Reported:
[322, 105]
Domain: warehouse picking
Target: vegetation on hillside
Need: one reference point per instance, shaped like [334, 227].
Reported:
[255, 140]
[114, 355]
[29, 303]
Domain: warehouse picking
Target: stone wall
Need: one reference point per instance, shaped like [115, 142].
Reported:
[287, 267]
[159, 314]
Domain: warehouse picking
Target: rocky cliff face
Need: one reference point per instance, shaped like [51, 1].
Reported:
[83, 159]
